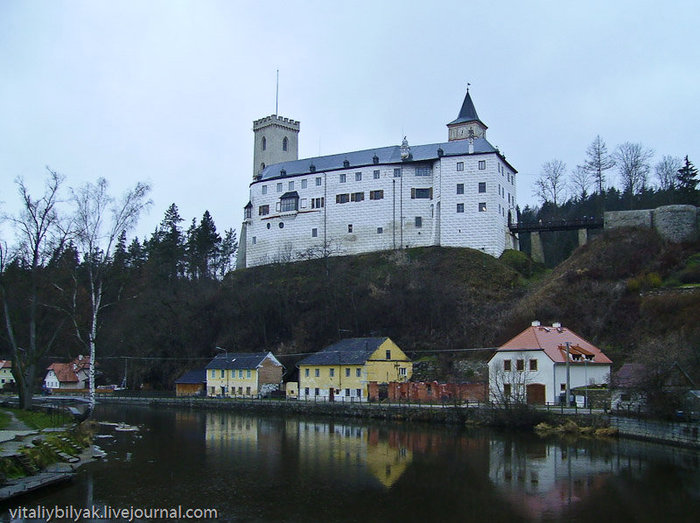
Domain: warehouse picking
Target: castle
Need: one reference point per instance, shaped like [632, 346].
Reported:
[459, 193]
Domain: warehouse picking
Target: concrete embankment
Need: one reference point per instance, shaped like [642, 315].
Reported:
[676, 433]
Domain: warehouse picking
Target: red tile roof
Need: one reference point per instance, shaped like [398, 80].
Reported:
[66, 372]
[5, 364]
[552, 340]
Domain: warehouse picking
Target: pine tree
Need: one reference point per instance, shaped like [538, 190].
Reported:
[687, 181]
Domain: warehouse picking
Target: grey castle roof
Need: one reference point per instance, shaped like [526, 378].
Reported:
[193, 377]
[468, 112]
[385, 155]
[238, 360]
[350, 351]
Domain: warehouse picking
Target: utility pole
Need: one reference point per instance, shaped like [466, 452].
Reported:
[568, 375]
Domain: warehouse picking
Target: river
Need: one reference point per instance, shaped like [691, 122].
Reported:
[270, 468]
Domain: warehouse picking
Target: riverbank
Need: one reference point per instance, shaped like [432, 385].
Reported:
[677, 434]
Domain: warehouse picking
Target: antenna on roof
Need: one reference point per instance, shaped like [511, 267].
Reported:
[277, 92]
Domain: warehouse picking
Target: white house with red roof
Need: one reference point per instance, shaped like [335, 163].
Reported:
[532, 367]
[73, 375]
[6, 377]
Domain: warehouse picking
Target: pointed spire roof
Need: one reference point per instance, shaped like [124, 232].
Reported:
[468, 111]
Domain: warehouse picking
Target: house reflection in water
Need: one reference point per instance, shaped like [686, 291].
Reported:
[543, 479]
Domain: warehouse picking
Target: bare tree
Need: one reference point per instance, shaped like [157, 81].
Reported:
[667, 170]
[41, 234]
[598, 160]
[551, 184]
[580, 181]
[632, 160]
[99, 221]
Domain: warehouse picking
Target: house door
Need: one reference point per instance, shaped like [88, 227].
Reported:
[535, 394]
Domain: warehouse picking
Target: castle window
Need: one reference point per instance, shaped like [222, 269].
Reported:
[255, 240]
[268, 225]
[314, 232]
[264, 144]
[423, 170]
[358, 177]
[318, 181]
[281, 224]
[317, 203]
[248, 211]
[343, 178]
[460, 166]
[263, 210]
[376, 195]
[264, 189]
[397, 172]
[460, 207]
[380, 230]
[418, 194]
[262, 166]
[357, 197]
[291, 186]
[482, 186]
[349, 227]
[482, 206]
[342, 198]
[460, 188]
[279, 187]
[289, 202]
[304, 183]
[482, 165]
[419, 222]
[375, 174]
[285, 144]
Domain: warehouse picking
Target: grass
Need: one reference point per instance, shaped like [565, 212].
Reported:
[41, 420]
[5, 419]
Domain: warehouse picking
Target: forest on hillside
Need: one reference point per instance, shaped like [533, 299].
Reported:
[152, 309]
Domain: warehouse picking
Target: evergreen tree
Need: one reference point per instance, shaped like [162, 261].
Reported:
[229, 248]
[208, 245]
[598, 160]
[687, 181]
[166, 248]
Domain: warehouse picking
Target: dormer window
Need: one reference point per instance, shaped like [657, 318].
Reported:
[312, 168]
[375, 159]
[346, 163]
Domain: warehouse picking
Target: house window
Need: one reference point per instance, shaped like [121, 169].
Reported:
[263, 210]
[380, 230]
[357, 197]
[317, 203]
[247, 391]
[506, 390]
[460, 188]
[342, 198]
[331, 372]
[240, 374]
[349, 227]
[248, 373]
[264, 143]
[285, 143]
[314, 232]
[403, 372]
[347, 392]
[289, 203]
[358, 393]
[222, 373]
[264, 189]
[358, 372]
[460, 166]
[460, 207]
[347, 372]
[482, 165]
[279, 187]
[291, 186]
[417, 194]
[562, 387]
[388, 354]
[397, 172]
[375, 175]
[482, 186]
[306, 373]
[419, 222]
[423, 170]
[318, 181]
[506, 365]
[317, 372]
[520, 365]
[343, 177]
[482, 206]
[316, 391]
[376, 195]
[533, 364]
[304, 183]
[358, 177]
[306, 391]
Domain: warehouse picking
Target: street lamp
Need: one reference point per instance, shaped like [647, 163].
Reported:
[227, 371]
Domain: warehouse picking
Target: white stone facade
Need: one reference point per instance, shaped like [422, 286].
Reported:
[455, 194]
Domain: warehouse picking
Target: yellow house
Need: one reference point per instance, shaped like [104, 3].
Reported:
[243, 375]
[343, 370]
[6, 377]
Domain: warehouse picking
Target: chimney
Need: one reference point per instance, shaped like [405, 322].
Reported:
[535, 323]
[556, 325]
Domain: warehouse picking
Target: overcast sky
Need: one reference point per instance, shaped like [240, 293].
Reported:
[166, 91]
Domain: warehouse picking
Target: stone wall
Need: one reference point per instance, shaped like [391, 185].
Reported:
[675, 223]
[685, 434]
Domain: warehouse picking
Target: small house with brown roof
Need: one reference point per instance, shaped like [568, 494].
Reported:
[532, 367]
[73, 375]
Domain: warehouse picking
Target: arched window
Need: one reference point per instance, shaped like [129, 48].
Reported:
[264, 143]
[285, 143]
[262, 166]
